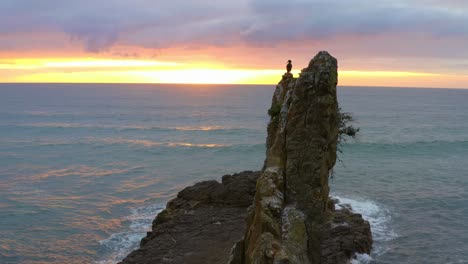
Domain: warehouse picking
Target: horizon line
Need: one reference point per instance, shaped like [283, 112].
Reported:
[234, 84]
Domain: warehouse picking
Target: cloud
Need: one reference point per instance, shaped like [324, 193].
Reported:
[100, 24]
[278, 20]
[157, 24]
[97, 23]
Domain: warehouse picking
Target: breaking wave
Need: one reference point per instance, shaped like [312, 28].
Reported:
[379, 218]
[119, 245]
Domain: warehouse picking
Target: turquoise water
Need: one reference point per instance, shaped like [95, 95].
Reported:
[85, 168]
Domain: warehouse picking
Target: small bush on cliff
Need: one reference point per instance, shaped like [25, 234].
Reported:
[345, 129]
[274, 110]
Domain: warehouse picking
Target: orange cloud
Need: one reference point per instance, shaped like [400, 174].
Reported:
[236, 64]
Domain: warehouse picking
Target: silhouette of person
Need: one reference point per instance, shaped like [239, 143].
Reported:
[289, 66]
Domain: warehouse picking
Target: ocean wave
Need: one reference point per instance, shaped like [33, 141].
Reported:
[151, 143]
[424, 147]
[9, 154]
[206, 128]
[80, 170]
[145, 143]
[119, 245]
[37, 113]
[379, 218]
[81, 125]
[203, 128]
[361, 259]
[405, 143]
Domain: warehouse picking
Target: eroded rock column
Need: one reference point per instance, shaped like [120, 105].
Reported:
[292, 192]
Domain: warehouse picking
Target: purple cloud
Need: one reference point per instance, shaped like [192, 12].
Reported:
[315, 19]
[159, 24]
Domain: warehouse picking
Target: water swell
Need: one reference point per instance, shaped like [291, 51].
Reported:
[142, 143]
[118, 245]
[427, 147]
[379, 218]
[406, 143]
[58, 125]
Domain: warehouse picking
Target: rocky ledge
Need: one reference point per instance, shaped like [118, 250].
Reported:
[201, 224]
[282, 214]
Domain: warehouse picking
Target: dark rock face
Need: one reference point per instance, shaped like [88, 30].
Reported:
[281, 215]
[343, 235]
[292, 220]
[201, 225]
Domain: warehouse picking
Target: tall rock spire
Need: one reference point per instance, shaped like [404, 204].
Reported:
[291, 219]
[292, 195]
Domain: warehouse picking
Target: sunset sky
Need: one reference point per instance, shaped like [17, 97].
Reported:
[415, 43]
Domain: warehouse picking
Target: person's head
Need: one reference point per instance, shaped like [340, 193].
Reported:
[289, 61]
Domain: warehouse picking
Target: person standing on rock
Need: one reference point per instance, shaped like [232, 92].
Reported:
[289, 66]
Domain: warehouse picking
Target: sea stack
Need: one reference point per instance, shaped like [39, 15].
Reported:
[282, 214]
[292, 215]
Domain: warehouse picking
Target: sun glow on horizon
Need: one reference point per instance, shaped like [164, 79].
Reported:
[94, 70]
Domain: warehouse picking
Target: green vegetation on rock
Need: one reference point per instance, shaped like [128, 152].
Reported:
[274, 110]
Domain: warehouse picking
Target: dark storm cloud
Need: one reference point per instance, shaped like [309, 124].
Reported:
[156, 24]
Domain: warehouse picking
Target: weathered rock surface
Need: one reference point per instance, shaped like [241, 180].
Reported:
[201, 225]
[281, 215]
[292, 220]
[343, 235]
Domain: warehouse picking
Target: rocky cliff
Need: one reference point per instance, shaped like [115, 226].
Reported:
[200, 225]
[290, 216]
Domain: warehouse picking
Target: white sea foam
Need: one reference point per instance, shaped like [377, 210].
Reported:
[361, 259]
[379, 218]
[119, 245]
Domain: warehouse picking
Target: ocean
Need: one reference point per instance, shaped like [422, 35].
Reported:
[84, 168]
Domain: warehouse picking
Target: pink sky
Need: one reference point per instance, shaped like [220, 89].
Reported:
[418, 43]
